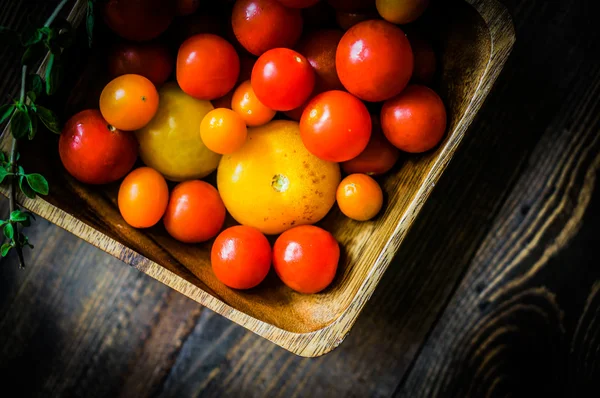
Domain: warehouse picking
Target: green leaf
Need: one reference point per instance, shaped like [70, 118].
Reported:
[3, 174]
[34, 38]
[38, 183]
[89, 22]
[18, 216]
[49, 119]
[20, 124]
[6, 111]
[35, 84]
[33, 126]
[31, 95]
[9, 37]
[54, 72]
[9, 231]
[25, 188]
[5, 249]
[2, 157]
[33, 54]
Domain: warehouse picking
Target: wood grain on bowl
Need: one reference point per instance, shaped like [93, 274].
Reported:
[473, 38]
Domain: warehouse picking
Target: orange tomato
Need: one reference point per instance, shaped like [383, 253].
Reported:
[273, 182]
[223, 131]
[359, 197]
[306, 258]
[195, 212]
[401, 12]
[245, 103]
[207, 66]
[143, 197]
[378, 157]
[241, 257]
[129, 102]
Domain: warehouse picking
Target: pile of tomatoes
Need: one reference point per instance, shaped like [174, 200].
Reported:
[275, 97]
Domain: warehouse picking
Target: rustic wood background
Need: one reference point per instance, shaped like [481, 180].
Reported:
[495, 293]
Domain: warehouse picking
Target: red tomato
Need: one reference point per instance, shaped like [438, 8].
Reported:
[143, 197]
[351, 5]
[298, 3]
[374, 60]
[139, 20]
[414, 121]
[207, 66]
[306, 258]
[94, 152]
[378, 157]
[151, 60]
[261, 25]
[425, 59]
[186, 7]
[195, 212]
[282, 79]
[319, 48]
[241, 257]
[335, 126]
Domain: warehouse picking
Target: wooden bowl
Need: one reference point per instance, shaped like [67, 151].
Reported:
[474, 39]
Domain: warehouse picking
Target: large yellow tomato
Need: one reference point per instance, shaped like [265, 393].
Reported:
[171, 142]
[274, 183]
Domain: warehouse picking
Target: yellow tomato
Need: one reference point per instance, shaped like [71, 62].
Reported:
[274, 183]
[171, 142]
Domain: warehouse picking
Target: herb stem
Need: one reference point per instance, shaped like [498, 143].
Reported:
[55, 13]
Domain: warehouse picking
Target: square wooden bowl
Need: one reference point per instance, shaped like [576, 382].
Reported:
[474, 39]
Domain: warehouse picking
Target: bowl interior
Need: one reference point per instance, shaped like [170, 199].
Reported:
[462, 42]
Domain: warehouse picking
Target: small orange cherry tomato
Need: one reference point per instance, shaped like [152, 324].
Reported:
[223, 131]
[306, 258]
[246, 104]
[129, 102]
[195, 212]
[143, 197]
[241, 257]
[359, 197]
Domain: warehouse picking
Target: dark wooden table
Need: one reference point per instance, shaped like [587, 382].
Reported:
[496, 291]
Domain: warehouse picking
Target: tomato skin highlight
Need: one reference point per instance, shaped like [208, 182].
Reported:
[93, 152]
[374, 60]
[139, 20]
[143, 197]
[241, 257]
[207, 66]
[306, 258]
[414, 121]
[151, 60]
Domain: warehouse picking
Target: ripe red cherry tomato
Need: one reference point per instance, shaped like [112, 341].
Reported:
[195, 212]
[306, 258]
[282, 79]
[241, 257]
[207, 66]
[319, 48]
[94, 152]
[374, 60]
[414, 121]
[139, 20]
[335, 126]
[261, 25]
[151, 60]
[378, 157]
[298, 3]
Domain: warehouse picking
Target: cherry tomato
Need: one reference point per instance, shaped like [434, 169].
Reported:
[143, 197]
[401, 11]
[319, 48]
[261, 25]
[298, 3]
[351, 5]
[414, 121]
[186, 7]
[347, 19]
[129, 102]
[359, 197]
[139, 20]
[378, 157]
[335, 126]
[207, 66]
[195, 212]
[94, 152]
[374, 60]
[425, 59]
[306, 258]
[249, 107]
[223, 131]
[151, 60]
[241, 257]
[282, 79]
[224, 101]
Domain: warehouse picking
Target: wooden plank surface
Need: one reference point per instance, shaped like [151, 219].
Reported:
[497, 291]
